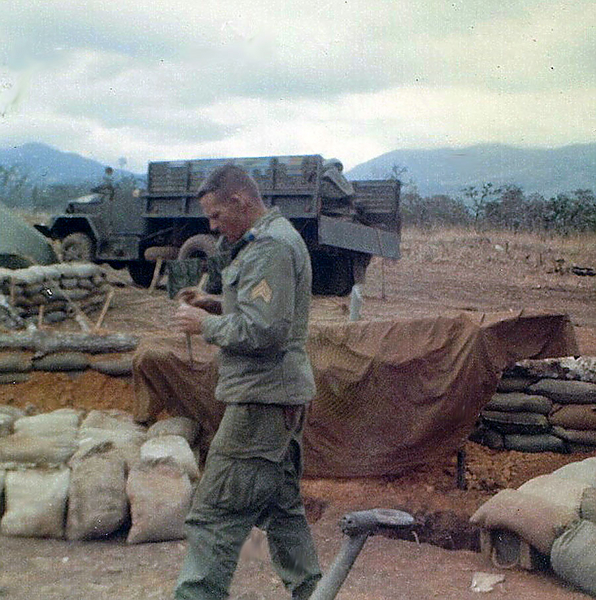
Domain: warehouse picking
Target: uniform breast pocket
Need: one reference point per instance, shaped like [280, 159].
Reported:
[230, 275]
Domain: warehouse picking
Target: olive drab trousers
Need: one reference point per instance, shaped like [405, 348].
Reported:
[234, 495]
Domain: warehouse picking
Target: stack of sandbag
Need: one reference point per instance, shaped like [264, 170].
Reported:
[543, 514]
[54, 287]
[537, 409]
[65, 476]
[36, 479]
[159, 487]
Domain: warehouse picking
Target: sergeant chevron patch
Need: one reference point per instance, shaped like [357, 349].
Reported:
[262, 290]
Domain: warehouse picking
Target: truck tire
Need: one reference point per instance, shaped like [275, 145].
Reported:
[77, 247]
[141, 272]
[331, 275]
[197, 246]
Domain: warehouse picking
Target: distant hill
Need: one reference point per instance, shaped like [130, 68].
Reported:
[449, 170]
[45, 165]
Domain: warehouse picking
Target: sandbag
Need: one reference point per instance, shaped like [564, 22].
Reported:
[116, 367]
[534, 519]
[63, 420]
[14, 411]
[573, 556]
[566, 392]
[487, 437]
[97, 505]
[174, 447]
[549, 488]
[582, 470]
[542, 442]
[574, 416]
[12, 378]
[515, 384]
[20, 449]
[187, 428]
[515, 422]
[126, 443]
[113, 419]
[62, 361]
[519, 402]
[587, 509]
[576, 436]
[160, 494]
[14, 362]
[6, 424]
[35, 503]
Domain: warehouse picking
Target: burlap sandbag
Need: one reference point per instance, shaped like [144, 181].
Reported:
[576, 436]
[587, 509]
[187, 428]
[549, 488]
[582, 470]
[21, 449]
[112, 419]
[519, 402]
[160, 495]
[534, 519]
[14, 411]
[566, 392]
[13, 378]
[6, 424]
[515, 422]
[573, 556]
[574, 416]
[63, 420]
[541, 442]
[61, 361]
[14, 362]
[35, 503]
[515, 384]
[125, 442]
[115, 367]
[97, 501]
[174, 447]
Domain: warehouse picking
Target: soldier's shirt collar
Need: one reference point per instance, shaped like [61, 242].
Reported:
[262, 222]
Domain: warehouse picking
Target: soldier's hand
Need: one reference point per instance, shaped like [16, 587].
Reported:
[208, 302]
[189, 319]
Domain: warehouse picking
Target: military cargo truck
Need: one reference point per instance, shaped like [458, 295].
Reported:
[343, 223]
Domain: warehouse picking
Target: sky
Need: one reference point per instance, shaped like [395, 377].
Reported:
[132, 81]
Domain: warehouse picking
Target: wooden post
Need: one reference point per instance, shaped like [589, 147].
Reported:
[156, 273]
[104, 310]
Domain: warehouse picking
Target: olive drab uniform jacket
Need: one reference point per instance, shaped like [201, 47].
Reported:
[263, 329]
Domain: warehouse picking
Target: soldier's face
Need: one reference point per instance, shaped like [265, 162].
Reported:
[228, 218]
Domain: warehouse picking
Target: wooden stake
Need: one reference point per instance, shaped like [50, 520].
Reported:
[104, 310]
[200, 287]
[156, 273]
[42, 308]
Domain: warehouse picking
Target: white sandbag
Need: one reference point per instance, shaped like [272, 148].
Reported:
[35, 503]
[549, 488]
[534, 519]
[174, 447]
[113, 419]
[97, 501]
[14, 411]
[6, 424]
[57, 422]
[187, 428]
[573, 556]
[160, 494]
[23, 450]
[582, 470]
[126, 442]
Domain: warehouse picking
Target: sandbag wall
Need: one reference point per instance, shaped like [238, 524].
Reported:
[55, 287]
[75, 475]
[542, 406]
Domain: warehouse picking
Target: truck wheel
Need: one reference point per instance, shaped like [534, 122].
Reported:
[141, 272]
[197, 246]
[331, 275]
[77, 247]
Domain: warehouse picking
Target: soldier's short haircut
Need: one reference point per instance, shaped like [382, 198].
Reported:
[227, 180]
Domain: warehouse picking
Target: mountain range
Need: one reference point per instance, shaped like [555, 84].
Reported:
[449, 170]
[431, 171]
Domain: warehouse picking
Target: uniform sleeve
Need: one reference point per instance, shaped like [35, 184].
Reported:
[265, 284]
